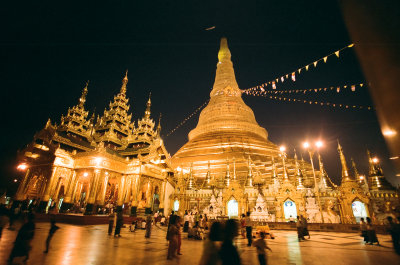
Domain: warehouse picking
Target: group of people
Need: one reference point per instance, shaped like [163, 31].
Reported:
[22, 243]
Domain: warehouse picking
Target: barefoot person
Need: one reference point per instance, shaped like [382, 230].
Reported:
[22, 244]
[261, 245]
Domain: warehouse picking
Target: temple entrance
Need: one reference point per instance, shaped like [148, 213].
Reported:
[176, 205]
[233, 208]
[156, 199]
[359, 210]
[289, 208]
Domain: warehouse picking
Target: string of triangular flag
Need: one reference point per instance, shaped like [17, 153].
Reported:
[313, 102]
[187, 118]
[304, 91]
[292, 75]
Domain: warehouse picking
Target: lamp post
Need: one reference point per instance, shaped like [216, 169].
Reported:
[318, 145]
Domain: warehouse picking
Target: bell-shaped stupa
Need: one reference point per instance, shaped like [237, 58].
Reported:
[227, 131]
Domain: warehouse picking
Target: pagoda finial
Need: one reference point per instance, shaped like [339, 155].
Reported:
[234, 169]
[228, 175]
[191, 179]
[224, 53]
[322, 171]
[82, 99]
[345, 170]
[208, 176]
[249, 181]
[148, 105]
[298, 171]
[124, 83]
[353, 164]
[159, 125]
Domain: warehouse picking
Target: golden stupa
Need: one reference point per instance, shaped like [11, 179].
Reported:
[228, 135]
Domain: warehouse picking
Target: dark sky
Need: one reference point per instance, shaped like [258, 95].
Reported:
[50, 49]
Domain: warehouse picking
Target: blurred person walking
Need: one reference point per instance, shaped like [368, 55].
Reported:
[229, 253]
[210, 255]
[53, 229]
[372, 238]
[111, 218]
[261, 245]
[249, 229]
[119, 223]
[22, 242]
[148, 226]
[172, 237]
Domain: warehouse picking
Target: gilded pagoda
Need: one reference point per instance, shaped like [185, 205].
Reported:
[92, 163]
[229, 167]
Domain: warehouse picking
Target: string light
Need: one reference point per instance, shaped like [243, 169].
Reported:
[292, 74]
[187, 118]
[304, 91]
[312, 102]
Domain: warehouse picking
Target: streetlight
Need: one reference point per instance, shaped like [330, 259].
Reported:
[283, 154]
[22, 167]
[318, 145]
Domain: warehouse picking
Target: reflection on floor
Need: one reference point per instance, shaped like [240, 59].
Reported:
[85, 245]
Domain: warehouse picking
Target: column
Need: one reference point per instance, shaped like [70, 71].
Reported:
[70, 187]
[121, 190]
[20, 196]
[102, 190]
[128, 189]
[162, 195]
[46, 194]
[135, 194]
[92, 194]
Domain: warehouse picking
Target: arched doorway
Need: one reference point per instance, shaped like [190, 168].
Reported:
[359, 210]
[233, 208]
[176, 206]
[289, 208]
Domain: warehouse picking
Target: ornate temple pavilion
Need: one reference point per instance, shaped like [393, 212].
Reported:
[90, 163]
[229, 167]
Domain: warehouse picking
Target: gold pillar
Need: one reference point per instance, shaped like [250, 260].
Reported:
[93, 187]
[102, 190]
[162, 195]
[70, 187]
[128, 189]
[46, 195]
[121, 189]
[135, 202]
[20, 196]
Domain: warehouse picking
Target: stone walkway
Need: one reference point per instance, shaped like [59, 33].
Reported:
[86, 245]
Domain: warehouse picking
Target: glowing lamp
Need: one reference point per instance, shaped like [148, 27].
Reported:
[15, 180]
[282, 148]
[98, 160]
[319, 144]
[22, 166]
[306, 145]
[85, 174]
[389, 132]
[375, 160]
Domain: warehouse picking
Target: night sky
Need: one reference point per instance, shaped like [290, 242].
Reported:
[49, 50]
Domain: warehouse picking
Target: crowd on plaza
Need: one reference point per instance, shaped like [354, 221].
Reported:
[217, 235]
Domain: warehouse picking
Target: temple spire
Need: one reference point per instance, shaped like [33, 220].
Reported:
[191, 179]
[148, 106]
[225, 80]
[159, 125]
[234, 170]
[354, 166]
[345, 170]
[208, 176]
[227, 175]
[82, 99]
[249, 181]
[124, 83]
[322, 172]
[298, 171]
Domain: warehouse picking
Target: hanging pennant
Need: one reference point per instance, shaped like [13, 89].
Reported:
[351, 45]
[299, 70]
[338, 89]
[293, 76]
[353, 88]
[337, 53]
[282, 79]
[273, 85]
[315, 63]
[307, 67]
[325, 59]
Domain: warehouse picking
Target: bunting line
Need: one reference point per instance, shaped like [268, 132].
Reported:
[304, 91]
[187, 118]
[312, 102]
[292, 75]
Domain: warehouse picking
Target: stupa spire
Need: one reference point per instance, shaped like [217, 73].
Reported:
[322, 172]
[82, 99]
[208, 176]
[148, 106]
[298, 171]
[225, 81]
[159, 125]
[227, 175]
[345, 170]
[191, 179]
[124, 83]
[234, 170]
[249, 181]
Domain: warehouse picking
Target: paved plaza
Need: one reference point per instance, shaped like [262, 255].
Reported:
[91, 245]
